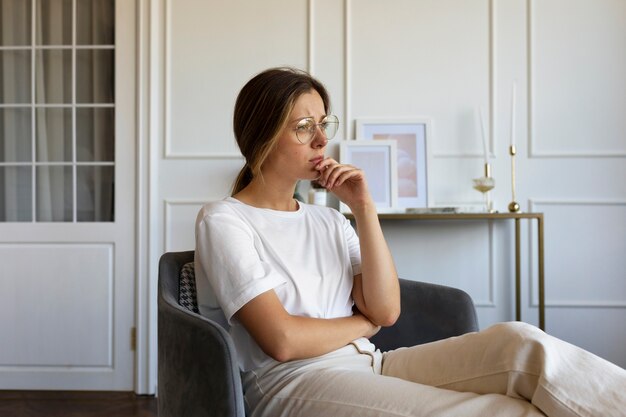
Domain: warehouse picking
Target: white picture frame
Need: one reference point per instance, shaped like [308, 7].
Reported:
[414, 138]
[378, 159]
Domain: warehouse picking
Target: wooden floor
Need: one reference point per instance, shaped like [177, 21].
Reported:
[75, 404]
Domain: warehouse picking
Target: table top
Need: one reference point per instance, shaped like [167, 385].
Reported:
[454, 216]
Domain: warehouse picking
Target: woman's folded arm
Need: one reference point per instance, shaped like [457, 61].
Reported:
[286, 337]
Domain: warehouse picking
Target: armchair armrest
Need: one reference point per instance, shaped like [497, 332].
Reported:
[429, 312]
[198, 373]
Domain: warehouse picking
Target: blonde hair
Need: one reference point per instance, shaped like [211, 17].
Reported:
[261, 113]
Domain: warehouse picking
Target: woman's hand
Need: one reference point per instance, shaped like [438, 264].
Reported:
[347, 182]
[372, 328]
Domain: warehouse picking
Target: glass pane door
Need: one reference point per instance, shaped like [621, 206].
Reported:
[57, 111]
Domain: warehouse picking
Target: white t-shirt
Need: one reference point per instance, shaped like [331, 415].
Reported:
[308, 257]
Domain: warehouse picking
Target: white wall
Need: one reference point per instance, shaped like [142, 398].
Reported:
[440, 59]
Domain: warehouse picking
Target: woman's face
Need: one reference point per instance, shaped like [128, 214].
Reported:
[291, 159]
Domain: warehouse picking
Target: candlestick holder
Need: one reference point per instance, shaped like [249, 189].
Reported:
[513, 205]
[485, 184]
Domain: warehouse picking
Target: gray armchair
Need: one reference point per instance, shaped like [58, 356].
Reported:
[198, 374]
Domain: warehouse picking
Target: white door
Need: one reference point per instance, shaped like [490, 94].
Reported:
[67, 157]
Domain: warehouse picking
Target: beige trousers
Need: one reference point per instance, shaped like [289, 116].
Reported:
[510, 369]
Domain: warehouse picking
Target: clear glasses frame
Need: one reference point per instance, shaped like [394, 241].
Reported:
[307, 128]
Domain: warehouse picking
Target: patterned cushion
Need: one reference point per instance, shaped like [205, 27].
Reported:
[187, 288]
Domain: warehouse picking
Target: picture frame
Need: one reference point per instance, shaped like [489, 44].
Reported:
[378, 159]
[413, 137]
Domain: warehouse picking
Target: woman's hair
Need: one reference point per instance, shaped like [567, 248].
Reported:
[261, 112]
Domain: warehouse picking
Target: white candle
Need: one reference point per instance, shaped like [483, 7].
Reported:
[513, 114]
[482, 130]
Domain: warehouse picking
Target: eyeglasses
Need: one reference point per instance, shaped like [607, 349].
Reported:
[306, 128]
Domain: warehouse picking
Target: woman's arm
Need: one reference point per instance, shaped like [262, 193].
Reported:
[376, 290]
[286, 337]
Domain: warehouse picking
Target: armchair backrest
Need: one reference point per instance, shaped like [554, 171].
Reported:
[429, 312]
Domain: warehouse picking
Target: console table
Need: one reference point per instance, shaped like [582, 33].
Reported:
[494, 216]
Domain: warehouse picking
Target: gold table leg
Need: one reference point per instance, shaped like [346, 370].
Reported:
[518, 285]
[542, 295]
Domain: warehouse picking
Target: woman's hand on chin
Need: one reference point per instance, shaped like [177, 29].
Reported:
[347, 182]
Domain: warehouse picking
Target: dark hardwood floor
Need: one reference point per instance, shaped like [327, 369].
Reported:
[76, 404]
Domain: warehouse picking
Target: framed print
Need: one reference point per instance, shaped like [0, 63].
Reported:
[413, 153]
[377, 158]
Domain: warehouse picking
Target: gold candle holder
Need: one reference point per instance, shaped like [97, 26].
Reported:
[513, 205]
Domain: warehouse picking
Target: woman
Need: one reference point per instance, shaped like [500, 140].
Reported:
[302, 293]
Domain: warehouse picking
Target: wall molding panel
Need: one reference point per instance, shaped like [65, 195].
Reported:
[493, 101]
[172, 239]
[168, 152]
[408, 240]
[310, 62]
[596, 148]
[169, 146]
[347, 77]
[536, 205]
[349, 130]
[82, 309]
